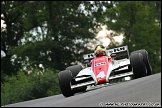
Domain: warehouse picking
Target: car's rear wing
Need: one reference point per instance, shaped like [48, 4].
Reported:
[119, 51]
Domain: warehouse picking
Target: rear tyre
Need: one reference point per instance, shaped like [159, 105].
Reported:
[65, 79]
[146, 60]
[75, 69]
[138, 65]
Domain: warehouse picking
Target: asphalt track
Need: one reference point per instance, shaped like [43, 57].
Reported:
[141, 92]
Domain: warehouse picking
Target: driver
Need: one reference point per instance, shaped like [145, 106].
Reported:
[100, 50]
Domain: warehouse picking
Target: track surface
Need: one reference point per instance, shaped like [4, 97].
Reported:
[141, 92]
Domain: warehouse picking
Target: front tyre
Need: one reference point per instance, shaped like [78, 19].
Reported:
[65, 79]
[138, 65]
[146, 60]
[75, 69]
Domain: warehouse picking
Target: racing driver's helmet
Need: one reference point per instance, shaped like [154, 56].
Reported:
[100, 51]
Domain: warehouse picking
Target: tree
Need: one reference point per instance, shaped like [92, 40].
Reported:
[11, 13]
[54, 34]
[141, 26]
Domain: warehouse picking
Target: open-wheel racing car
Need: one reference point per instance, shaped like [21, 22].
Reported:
[104, 69]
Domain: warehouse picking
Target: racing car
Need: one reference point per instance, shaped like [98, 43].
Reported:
[103, 69]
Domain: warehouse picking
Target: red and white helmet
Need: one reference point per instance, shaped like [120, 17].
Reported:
[100, 51]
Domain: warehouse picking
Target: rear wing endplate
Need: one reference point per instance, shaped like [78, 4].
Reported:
[119, 51]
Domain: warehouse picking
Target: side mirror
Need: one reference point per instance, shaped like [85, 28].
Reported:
[113, 55]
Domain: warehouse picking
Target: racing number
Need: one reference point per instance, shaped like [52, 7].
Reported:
[101, 75]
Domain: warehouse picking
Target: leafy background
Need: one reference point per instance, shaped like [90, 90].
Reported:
[42, 38]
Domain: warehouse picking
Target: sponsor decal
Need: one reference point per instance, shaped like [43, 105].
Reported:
[99, 64]
[115, 50]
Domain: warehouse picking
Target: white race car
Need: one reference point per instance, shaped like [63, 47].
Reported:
[103, 69]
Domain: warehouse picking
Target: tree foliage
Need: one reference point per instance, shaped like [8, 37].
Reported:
[22, 87]
[51, 33]
[141, 26]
